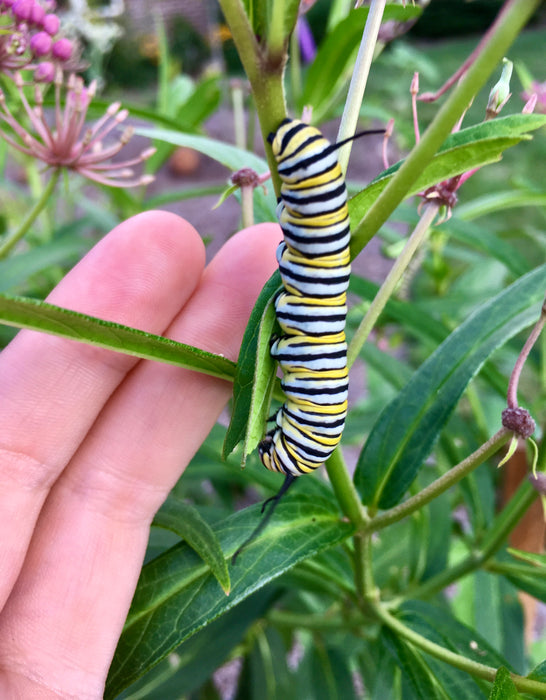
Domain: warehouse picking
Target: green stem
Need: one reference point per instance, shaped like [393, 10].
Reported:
[474, 668]
[295, 67]
[265, 78]
[237, 100]
[275, 30]
[344, 489]
[450, 478]
[510, 22]
[392, 279]
[247, 205]
[16, 236]
[359, 79]
[322, 621]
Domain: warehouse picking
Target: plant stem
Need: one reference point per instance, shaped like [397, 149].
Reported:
[512, 398]
[359, 79]
[344, 489]
[454, 475]
[463, 663]
[510, 22]
[319, 621]
[16, 236]
[392, 279]
[237, 100]
[247, 205]
[265, 80]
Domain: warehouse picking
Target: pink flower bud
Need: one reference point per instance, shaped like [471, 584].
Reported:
[22, 9]
[51, 24]
[7, 3]
[62, 49]
[40, 44]
[45, 72]
[37, 15]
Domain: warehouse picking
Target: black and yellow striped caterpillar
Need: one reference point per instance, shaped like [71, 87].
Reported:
[314, 264]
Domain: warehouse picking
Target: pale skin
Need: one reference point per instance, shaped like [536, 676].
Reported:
[92, 441]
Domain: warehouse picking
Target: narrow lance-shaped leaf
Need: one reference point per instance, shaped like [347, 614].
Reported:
[462, 151]
[232, 157]
[254, 365]
[177, 595]
[41, 316]
[186, 521]
[408, 427]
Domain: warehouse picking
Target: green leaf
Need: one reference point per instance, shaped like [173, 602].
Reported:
[462, 151]
[195, 660]
[254, 365]
[232, 157]
[41, 316]
[408, 427]
[539, 672]
[503, 687]
[186, 521]
[497, 201]
[177, 594]
[439, 626]
[334, 62]
[415, 672]
[264, 380]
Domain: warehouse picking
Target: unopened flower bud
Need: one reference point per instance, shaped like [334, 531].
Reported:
[245, 177]
[40, 44]
[51, 24]
[45, 72]
[500, 93]
[62, 49]
[22, 9]
[519, 420]
[529, 106]
[37, 14]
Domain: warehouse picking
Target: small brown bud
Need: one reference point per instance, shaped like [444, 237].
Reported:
[246, 177]
[519, 420]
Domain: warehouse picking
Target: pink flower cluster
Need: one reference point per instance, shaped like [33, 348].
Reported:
[69, 142]
[29, 38]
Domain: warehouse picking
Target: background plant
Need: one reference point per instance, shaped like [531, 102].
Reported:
[399, 580]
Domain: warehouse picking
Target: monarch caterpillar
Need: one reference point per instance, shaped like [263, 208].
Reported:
[314, 264]
[311, 309]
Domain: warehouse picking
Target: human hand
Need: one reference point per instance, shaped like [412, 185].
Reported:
[92, 441]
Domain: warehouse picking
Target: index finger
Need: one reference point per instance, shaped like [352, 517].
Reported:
[52, 389]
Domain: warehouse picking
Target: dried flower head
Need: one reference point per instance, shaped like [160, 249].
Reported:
[69, 142]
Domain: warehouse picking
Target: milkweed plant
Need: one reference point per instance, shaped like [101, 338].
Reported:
[393, 571]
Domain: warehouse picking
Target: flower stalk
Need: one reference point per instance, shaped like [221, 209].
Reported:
[359, 79]
[11, 240]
